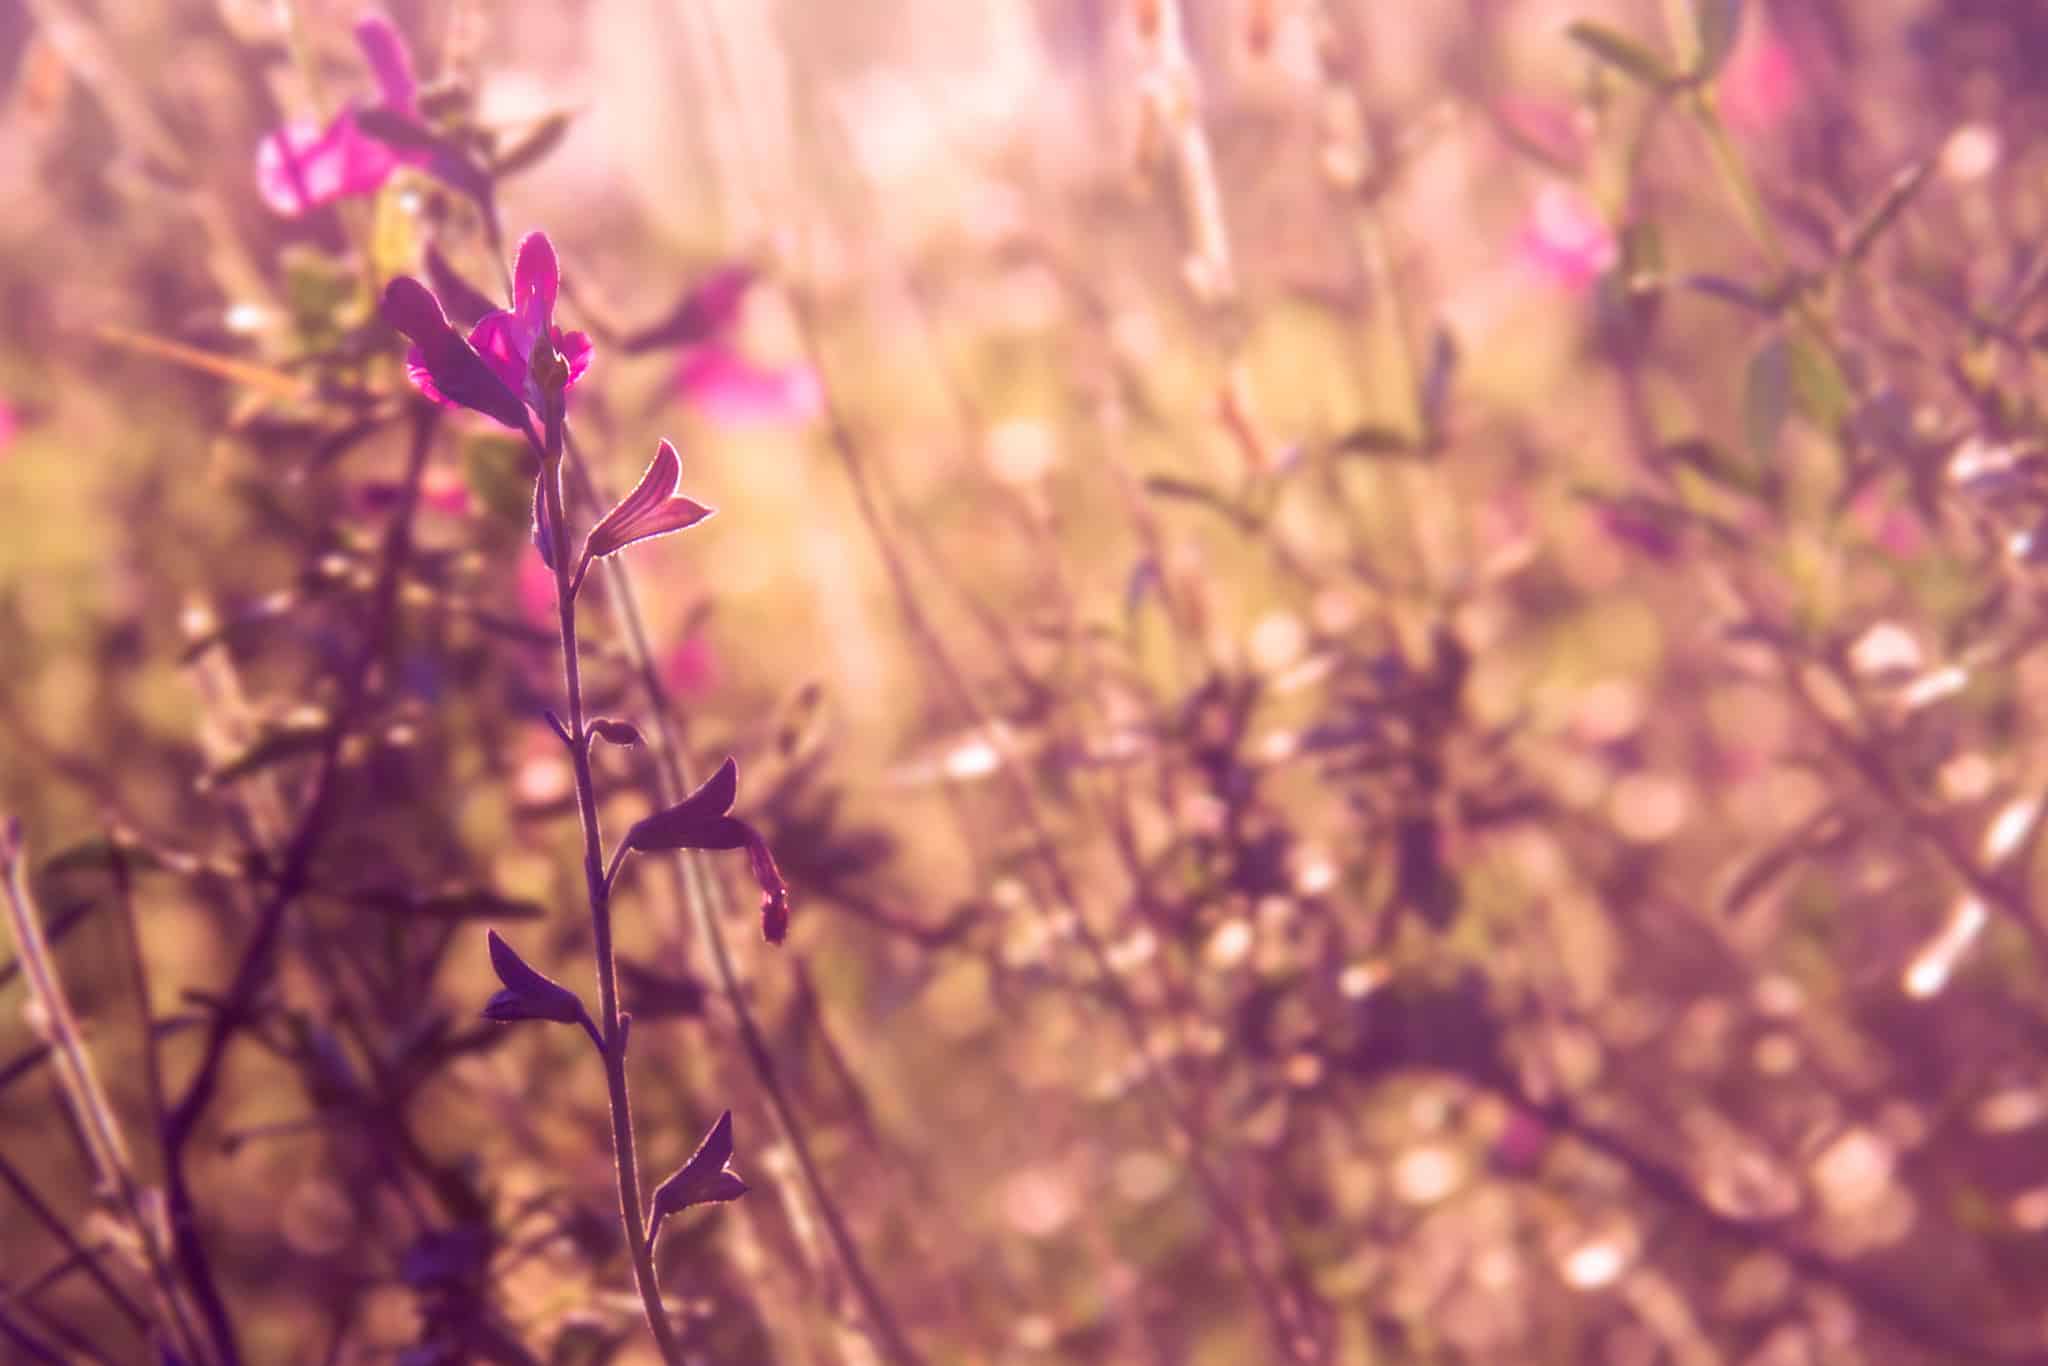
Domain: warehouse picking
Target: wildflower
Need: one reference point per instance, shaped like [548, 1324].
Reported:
[735, 392]
[691, 668]
[492, 370]
[1762, 83]
[1565, 238]
[302, 166]
[713, 376]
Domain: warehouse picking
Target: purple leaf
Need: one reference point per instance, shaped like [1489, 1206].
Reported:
[653, 508]
[705, 1178]
[445, 367]
[528, 995]
[694, 819]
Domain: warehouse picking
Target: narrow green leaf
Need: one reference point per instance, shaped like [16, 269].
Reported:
[290, 740]
[1622, 53]
[1896, 196]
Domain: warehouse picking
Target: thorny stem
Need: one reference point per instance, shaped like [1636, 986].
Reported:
[611, 1025]
[699, 889]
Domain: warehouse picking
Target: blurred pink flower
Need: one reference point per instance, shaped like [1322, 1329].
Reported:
[1761, 84]
[732, 390]
[301, 166]
[691, 668]
[1521, 1143]
[1892, 528]
[713, 376]
[1565, 239]
[10, 425]
[536, 591]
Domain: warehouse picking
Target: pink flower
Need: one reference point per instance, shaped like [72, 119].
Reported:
[713, 376]
[1761, 84]
[302, 166]
[535, 591]
[731, 390]
[10, 425]
[691, 669]
[491, 371]
[506, 340]
[1894, 529]
[1566, 239]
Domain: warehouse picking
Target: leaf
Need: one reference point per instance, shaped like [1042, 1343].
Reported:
[1732, 291]
[1718, 25]
[693, 819]
[1889, 205]
[1707, 459]
[273, 382]
[1373, 439]
[622, 733]
[448, 161]
[1623, 53]
[1766, 398]
[705, 1178]
[528, 994]
[539, 140]
[653, 508]
[101, 854]
[291, 739]
[710, 307]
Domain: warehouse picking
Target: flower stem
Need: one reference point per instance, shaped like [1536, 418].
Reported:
[611, 1025]
[704, 897]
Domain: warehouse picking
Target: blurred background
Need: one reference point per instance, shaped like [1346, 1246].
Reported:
[1393, 653]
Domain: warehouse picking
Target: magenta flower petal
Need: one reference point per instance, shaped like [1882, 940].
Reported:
[505, 346]
[691, 668]
[576, 350]
[445, 367]
[653, 508]
[384, 49]
[729, 389]
[1565, 238]
[300, 167]
[536, 276]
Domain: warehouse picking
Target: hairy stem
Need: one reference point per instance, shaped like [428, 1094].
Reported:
[611, 1025]
[704, 895]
